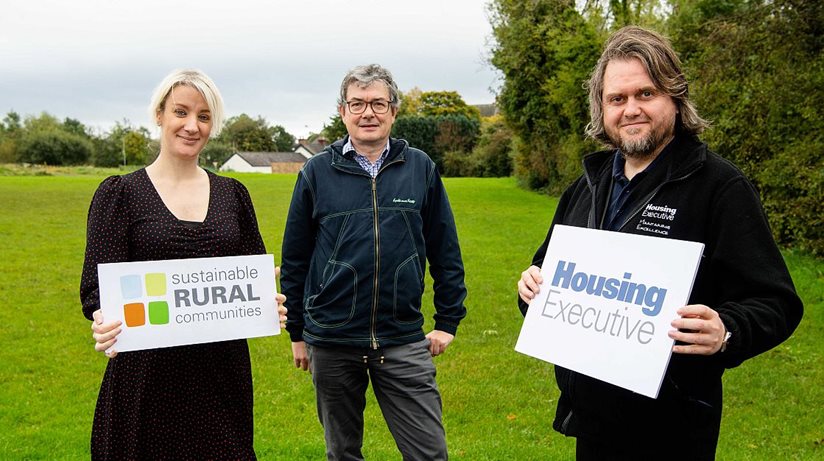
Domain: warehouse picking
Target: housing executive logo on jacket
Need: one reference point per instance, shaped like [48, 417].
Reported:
[656, 219]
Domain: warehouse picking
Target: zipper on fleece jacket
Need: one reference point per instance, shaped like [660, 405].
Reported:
[373, 334]
[376, 285]
[377, 246]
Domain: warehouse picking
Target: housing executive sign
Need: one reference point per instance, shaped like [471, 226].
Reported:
[606, 303]
[189, 301]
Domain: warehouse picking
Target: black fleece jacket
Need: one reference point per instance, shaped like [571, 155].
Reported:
[692, 194]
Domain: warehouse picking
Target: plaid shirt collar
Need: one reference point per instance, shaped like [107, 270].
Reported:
[369, 167]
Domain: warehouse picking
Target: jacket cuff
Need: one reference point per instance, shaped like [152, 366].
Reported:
[734, 344]
[446, 327]
[296, 335]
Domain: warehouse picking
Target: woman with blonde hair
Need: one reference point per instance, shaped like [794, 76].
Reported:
[185, 402]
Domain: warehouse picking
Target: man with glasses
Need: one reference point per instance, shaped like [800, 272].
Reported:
[366, 215]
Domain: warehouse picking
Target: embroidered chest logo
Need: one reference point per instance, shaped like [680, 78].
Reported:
[403, 200]
[656, 219]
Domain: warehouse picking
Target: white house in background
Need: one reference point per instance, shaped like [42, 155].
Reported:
[264, 162]
[274, 162]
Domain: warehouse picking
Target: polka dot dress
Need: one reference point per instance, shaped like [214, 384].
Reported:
[187, 402]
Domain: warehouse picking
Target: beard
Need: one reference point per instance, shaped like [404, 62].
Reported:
[639, 148]
[644, 147]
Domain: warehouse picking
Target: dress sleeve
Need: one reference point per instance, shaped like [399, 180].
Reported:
[107, 238]
[251, 242]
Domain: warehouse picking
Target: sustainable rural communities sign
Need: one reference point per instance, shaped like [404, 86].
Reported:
[606, 302]
[189, 301]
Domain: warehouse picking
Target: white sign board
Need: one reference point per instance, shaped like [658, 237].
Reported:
[606, 303]
[189, 301]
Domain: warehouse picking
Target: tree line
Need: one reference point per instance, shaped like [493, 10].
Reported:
[44, 139]
[440, 123]
[756, 71]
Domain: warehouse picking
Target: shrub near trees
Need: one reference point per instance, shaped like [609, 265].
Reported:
[123, 145]
[756, 70]
[10, 130]
[439, 123]
[55, 147]
[46, 140]
[491, 156]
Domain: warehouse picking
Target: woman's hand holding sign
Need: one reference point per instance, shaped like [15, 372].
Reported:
[105, 334]
[280, 298]
[281, 309]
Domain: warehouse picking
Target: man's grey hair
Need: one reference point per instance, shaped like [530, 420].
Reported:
[664, 68]
[364, 76]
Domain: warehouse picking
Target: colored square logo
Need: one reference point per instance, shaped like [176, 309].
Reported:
[130, 286]
[158, 312]
[135, 314]
[156, 284]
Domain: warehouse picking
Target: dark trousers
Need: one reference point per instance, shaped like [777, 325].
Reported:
[403, 379]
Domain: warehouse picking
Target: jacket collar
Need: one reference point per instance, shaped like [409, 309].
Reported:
[397, 151]
[687, 154]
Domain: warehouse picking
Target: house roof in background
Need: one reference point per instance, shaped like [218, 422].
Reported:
[487, 110]
[315, 146]
[268, 158]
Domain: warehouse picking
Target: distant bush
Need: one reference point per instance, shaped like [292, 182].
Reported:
[437, 135]
[8, 150]
[491, 156]
[792, 184]
[458, 163]
[55, 147]
[419, 131]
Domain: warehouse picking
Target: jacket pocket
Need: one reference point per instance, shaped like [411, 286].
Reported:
[408, 289]
[334, 304]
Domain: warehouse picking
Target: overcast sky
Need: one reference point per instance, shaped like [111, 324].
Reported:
[99, 60]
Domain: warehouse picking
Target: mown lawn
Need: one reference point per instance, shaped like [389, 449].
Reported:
[498, 404]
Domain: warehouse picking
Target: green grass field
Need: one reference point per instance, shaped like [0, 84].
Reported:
[498, 403]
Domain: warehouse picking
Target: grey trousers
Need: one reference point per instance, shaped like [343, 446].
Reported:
[403, 379]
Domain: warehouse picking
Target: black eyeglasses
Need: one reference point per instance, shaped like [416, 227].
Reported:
[379, 106]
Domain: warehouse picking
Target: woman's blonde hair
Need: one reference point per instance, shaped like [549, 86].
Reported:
[197, 80]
